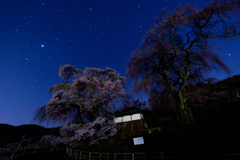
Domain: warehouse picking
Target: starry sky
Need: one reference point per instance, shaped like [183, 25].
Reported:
[38, 36]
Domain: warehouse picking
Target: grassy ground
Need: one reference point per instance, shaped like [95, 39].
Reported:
[6, 153]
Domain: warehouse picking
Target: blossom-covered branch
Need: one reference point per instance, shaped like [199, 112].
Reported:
[86, 101]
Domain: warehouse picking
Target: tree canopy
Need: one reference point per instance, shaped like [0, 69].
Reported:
[86, 100]
[85, 96]
[178, 51]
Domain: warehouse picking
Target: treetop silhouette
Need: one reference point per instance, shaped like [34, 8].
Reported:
[178, 51]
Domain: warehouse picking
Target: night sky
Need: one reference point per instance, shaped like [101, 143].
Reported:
[38, 36]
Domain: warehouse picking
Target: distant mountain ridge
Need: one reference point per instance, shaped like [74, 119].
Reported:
[13, 134]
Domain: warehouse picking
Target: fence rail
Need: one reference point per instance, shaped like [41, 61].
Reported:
[72, 154]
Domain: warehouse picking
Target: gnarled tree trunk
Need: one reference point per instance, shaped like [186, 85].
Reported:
[184, 110]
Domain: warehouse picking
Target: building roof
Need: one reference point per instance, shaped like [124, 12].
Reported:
[129, 111]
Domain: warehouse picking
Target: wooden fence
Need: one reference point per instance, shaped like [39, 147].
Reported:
[72, 154]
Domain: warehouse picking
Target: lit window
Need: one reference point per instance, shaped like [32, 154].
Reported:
[136, 116]
[126, 118]
[118, 120]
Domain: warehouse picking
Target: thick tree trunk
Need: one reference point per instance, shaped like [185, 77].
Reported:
[190, 116]
[184, 115]
[185, 112]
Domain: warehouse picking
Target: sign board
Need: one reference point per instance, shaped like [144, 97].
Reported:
[138, 140]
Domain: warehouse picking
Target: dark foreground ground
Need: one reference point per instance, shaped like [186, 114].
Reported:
[206, 137]
[43, 156]
[196, 139]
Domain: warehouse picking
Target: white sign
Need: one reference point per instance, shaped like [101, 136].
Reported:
[138, 140]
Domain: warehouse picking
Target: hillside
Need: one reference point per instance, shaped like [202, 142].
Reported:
[12, 134]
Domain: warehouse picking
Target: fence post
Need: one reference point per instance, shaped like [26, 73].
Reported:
[80, 155]
[90, 155]
[152, 155]
[132, 156]
[70, 152]
[114, 156]
[162, 155]
[225, 156]
[76, 154]
[73, 154]
[107, 155]
[100, 157]
[205, 156]
[66, 151]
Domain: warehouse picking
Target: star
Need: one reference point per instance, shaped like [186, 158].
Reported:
[42, 45]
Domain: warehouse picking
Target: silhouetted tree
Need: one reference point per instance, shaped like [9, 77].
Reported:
[135, 103]
[231, 84]
[178, 50]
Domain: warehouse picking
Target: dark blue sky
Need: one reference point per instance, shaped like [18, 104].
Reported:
[38, 36]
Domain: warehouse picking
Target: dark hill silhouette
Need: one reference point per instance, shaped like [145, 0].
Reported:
[41, 156]
[6, 129]
[13, 134]
[231, 84]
